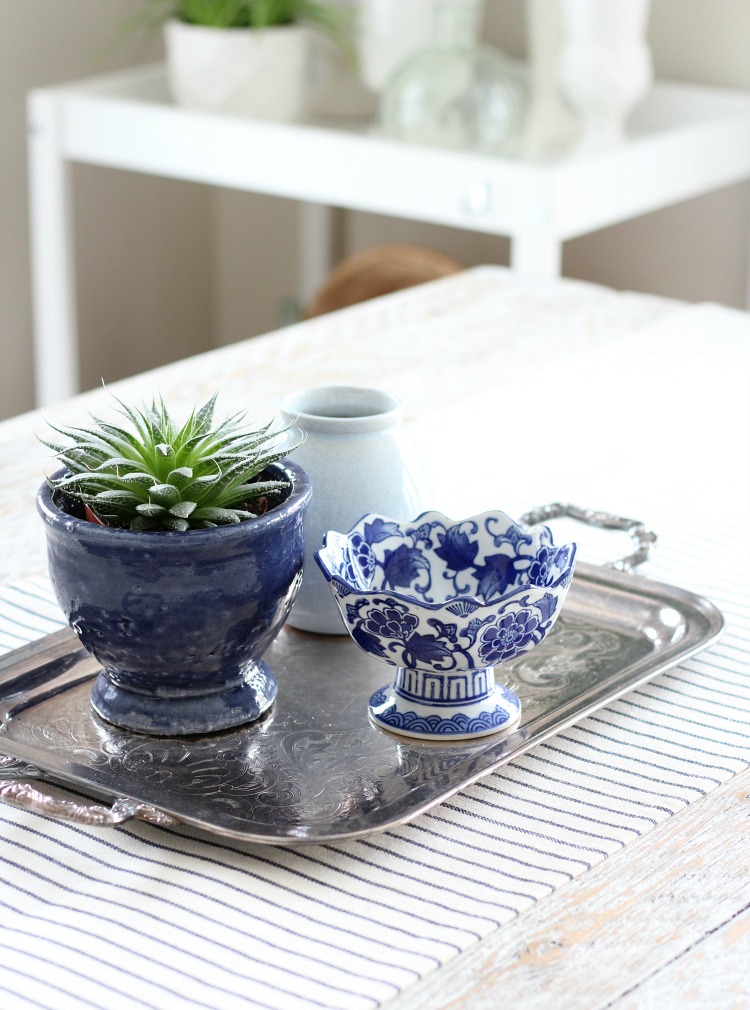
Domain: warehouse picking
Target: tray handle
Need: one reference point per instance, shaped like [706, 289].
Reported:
[643, 538]
[28, 797]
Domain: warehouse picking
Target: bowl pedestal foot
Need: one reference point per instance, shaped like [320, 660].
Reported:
[430, 706]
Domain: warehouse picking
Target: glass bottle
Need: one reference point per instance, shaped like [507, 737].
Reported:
[460, 93]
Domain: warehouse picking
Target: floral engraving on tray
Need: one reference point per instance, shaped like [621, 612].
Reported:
[577, 655]
[243, 777]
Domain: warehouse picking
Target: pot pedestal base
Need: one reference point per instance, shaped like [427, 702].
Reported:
[499, 710]
[186, 715]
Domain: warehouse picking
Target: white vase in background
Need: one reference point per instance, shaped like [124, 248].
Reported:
[360, 458]
[389, 32]
[606, 67]
[254, 72]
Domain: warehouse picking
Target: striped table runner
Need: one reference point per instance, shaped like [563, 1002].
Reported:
[145, 917]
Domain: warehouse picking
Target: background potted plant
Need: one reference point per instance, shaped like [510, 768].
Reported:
[248, 57]
[191, 569]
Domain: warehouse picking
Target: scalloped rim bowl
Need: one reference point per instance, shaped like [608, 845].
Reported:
[445, 602]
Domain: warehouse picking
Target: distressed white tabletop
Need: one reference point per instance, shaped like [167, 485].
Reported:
[529, 385]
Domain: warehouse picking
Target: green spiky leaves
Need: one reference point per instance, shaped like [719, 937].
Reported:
[152, 474]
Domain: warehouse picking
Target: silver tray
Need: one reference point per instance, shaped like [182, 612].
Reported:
[316, 769]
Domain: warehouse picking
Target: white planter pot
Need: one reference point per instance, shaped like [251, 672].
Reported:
[606, 66]
[244, 71]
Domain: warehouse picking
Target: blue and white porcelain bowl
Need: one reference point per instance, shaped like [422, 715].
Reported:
[445, 603]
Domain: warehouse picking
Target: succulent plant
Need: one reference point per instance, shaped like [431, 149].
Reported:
[156, 475]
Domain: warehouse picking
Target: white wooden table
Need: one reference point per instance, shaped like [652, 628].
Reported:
[685, 140]
[548, 395]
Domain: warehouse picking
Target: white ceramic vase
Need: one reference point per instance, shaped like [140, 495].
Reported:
[260, 73]
[360, 458]
[605, 67]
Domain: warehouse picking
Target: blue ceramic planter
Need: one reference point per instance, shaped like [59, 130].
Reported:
[179, 621]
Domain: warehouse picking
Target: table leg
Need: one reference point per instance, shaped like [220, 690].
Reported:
[536, 253]
[316, 248]
[56, 373]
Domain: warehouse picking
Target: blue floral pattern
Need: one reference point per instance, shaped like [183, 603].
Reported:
[456, 550]
[509, 636]
[440, 596]
[436, 560]
[445, 602]
[393, 621]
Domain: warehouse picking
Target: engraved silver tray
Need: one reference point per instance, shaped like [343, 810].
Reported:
[316, 769]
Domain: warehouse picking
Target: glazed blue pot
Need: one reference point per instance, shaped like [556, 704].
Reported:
[180, 621]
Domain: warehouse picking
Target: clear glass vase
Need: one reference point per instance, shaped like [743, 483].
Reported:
[460, 93]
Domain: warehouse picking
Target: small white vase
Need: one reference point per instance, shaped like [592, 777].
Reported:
[257, 72]
[360, 458]
[605, 67]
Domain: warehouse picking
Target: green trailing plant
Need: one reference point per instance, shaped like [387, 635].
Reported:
[157, 475]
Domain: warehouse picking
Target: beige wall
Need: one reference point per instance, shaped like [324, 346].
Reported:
[143, 250]
[697, 250]
[167, 268]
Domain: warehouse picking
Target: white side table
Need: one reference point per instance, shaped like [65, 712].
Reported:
[685, 140]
